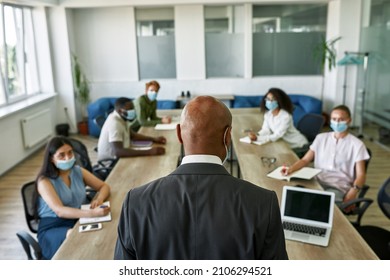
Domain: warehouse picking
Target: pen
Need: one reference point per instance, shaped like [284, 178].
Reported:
[284, 169]
[103, 206]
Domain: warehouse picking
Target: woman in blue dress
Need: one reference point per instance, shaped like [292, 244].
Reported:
[60, 194]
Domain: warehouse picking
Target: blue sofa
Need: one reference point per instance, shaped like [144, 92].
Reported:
[104, 106]
[303, 104]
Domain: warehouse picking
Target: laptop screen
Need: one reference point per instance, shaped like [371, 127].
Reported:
[307, 205]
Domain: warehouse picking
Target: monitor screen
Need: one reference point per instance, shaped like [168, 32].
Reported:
[309, 206]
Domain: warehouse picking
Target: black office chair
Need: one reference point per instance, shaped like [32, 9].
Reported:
[99, 121]
[29, 243]
[377, 237]
[103, 167]
[310, 125]
[360, 203]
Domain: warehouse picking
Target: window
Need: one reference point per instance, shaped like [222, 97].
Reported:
[285, 37]
[18, 64]
[156, 43]
[224, 39]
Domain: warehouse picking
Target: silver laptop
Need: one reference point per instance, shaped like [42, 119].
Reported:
[307, 215]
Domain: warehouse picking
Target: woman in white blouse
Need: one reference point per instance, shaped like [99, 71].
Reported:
[278, 122]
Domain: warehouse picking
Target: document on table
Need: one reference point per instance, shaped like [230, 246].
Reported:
[246, 139]
[165, 126]
[305, 173]
[91, 220]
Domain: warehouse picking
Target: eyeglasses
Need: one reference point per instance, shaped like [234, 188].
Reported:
[268, 161]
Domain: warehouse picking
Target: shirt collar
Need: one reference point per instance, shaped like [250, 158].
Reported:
[202, 159]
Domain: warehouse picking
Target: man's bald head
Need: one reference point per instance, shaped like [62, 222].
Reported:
[203, 125]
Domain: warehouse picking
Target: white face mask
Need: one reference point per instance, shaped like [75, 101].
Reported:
[226, 148]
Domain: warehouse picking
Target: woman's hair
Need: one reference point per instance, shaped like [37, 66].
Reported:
[281, 97]
[152, 83]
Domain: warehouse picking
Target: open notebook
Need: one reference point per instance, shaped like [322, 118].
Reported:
[305, 173]
[92, 220]
[307, 215]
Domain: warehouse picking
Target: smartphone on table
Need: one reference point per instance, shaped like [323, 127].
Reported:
[90, 227]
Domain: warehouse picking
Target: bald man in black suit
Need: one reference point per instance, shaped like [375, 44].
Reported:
[200, 211]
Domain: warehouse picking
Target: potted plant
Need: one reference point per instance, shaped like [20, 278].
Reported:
[325, 52]
[81, 86]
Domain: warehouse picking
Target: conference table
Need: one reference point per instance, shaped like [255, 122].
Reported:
[345, 242]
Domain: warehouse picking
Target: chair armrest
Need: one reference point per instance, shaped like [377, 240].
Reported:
[361, 206]
[27, 240]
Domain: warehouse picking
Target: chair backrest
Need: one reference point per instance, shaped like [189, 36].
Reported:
[384, 198]
[99, 120]
[28, 243]
[28, 195]
[310, 125]
[81, 154]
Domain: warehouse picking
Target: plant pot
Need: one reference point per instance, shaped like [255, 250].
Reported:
[83, 127]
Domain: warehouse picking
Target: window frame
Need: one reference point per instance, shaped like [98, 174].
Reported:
[9, 99]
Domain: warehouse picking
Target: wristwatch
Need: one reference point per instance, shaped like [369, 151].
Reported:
[356, 187]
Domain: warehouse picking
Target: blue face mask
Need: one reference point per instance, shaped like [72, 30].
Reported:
[152, 95]
[271, 105]
[130, 115]
[339, 126]
[65, 164]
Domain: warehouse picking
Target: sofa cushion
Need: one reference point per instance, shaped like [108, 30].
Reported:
[166, 104]
[102, 106]
[247, 101]
[304, 104]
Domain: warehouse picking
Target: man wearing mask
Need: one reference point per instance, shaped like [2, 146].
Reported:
[200, 211]
[114, 140]
[146, 106]
[340, 155]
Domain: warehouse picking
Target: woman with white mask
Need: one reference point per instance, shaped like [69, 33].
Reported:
[340, 155]
[278, 121]
[61, 192]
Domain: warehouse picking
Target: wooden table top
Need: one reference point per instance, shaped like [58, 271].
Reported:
[345, 242]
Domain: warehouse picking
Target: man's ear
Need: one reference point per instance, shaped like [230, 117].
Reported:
[228, 136]
[178, 133]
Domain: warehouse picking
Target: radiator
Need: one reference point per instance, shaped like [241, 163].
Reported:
[36, 128]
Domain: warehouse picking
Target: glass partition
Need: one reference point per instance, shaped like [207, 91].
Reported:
[224, 39]
[156, 43]
[374, 83]
[285, 37]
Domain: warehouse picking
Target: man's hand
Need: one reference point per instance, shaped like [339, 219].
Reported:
[166, 119]
[252, 136]
[157, 151]
[160, 140]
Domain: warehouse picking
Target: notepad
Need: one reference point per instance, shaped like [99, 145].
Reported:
[305, 173]
[246, 139]
[165, 126]
[141, 143]
[91, 220]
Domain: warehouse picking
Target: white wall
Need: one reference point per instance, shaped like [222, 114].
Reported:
[12, 147]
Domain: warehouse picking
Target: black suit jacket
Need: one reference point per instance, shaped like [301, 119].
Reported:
[200, 211]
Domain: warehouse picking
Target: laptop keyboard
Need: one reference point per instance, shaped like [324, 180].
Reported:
[304, 229]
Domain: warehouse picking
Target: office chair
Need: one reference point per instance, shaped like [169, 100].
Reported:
[310, 125]
[99, 121]
[29, 243]
[103, 167]
[361, 204]
[377, 237]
